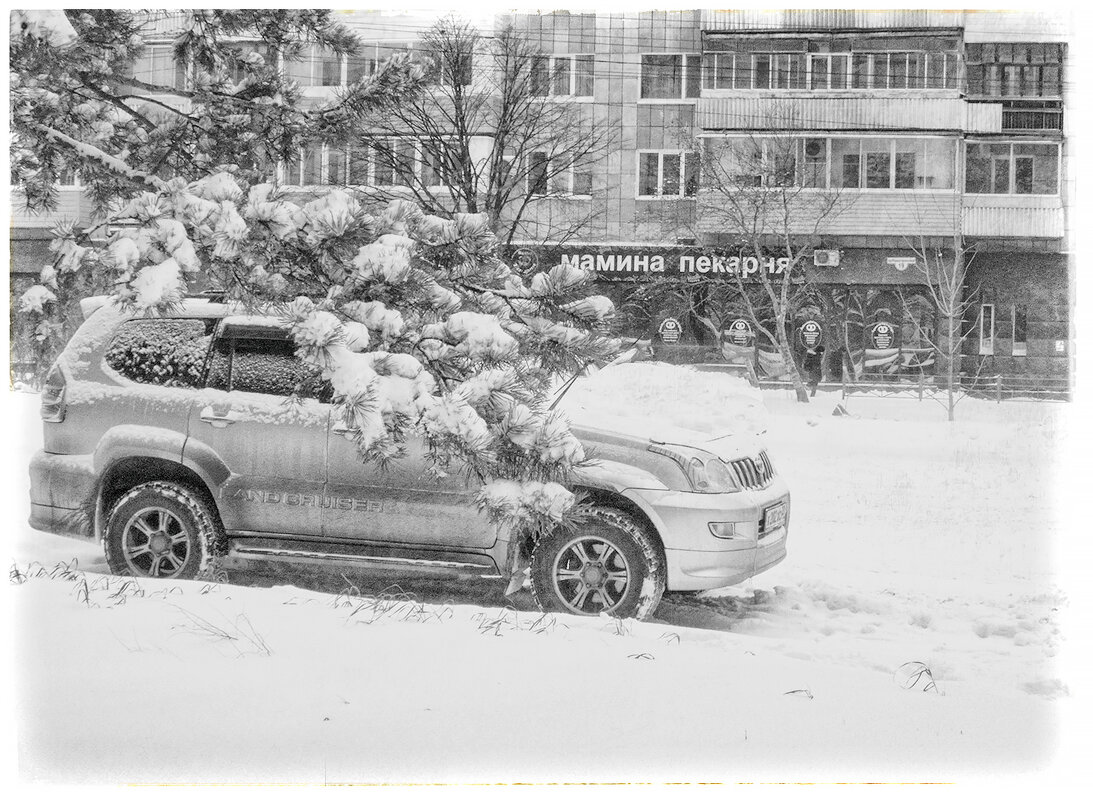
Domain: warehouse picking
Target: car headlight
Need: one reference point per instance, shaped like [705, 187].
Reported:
[704, 471]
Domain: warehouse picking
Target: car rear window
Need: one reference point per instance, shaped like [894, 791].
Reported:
[266, 364]
[167, 352]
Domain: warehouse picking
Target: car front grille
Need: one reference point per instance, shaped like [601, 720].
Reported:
[754, 473]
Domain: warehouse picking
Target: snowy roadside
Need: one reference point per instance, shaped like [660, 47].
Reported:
[911, 541]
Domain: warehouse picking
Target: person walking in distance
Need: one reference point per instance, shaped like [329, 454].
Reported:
[814, 366]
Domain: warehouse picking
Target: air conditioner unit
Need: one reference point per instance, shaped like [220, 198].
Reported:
[825, 258]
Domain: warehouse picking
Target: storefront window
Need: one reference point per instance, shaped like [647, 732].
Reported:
[986, 329]
[1020, 329]
[918, 324]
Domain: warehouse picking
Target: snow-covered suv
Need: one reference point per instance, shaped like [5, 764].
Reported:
[179, 438]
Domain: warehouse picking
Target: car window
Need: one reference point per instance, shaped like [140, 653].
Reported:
[264, 364]
[167, 352]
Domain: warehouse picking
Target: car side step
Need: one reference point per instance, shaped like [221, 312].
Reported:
[401, 559]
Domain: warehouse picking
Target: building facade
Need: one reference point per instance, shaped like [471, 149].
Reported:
[929, 125]
[935, 130]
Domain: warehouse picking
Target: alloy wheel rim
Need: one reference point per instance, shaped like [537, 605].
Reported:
[590, 575]
[155, 543]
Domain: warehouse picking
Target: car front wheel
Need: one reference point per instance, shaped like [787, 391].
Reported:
[160, 530]
[607, 564]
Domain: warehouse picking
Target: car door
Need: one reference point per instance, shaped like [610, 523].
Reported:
[272, 442]
[402, 505]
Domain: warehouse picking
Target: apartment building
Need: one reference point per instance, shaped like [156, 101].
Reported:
[928, 125]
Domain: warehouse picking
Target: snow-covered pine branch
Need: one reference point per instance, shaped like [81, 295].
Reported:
[397, 323]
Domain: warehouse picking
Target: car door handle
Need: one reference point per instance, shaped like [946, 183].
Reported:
[208, 415]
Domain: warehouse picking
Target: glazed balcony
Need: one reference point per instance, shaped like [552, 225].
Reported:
[905, 111]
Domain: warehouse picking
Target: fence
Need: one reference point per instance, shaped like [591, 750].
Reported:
[996, 387]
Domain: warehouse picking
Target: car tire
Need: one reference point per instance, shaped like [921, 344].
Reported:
[608, 563]
[161, 530]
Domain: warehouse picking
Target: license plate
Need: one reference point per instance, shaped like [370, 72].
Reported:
[774, 517]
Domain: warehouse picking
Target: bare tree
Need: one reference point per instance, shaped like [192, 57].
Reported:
[945, 275]
[768, 196]
[495, 134]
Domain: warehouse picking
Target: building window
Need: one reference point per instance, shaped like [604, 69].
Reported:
[911, 69]
[855, 63]
[394, 161]
[1012, 169]
[986, 329]
[667, 173]
[547, 176]
[1019, 320]
[158, 67]
[922, 163]
[389, 162]
[369, 57]
[335, 166]
[449, 69]
[358, 166]
[1015, 69]
[829, 71]
[66, 177]
[670, 77]
[242, 52]
[563, 76]
[316, 66]
[307, 169]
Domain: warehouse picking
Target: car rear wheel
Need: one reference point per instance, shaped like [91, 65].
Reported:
[608, 564]
[160, 530]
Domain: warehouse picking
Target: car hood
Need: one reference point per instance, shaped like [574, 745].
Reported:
[640, 435]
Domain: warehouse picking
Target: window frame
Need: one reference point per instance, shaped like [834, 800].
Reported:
[683, 97]
[986, 343]
[571, 58]
[1019, 347]
[686, 156]
[832, 166]
[570, 172]
[1012, 167]
[230, 342]
[949, 77]
[180, 71]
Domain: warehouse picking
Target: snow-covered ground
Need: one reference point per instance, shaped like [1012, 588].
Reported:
[914, 543]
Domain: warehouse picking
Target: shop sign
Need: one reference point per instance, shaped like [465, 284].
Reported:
[670, 329]
[901, 263]
[811, 333]
[740, 332]
[883, 336]
[525, 260]
[615, 263]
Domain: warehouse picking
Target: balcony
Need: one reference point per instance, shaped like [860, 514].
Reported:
[1014, 216]
[1032, 116]
[857, 213]
[907, 112]
[821, 19]
[71, 205]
